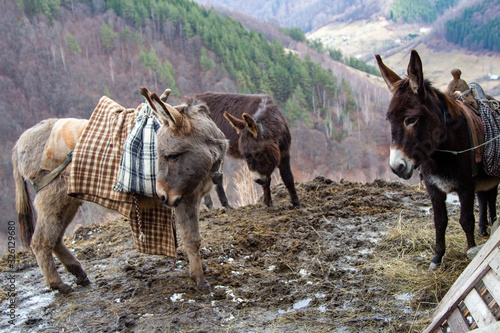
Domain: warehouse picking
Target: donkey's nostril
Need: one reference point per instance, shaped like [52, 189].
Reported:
[163, 198]
[399, 167]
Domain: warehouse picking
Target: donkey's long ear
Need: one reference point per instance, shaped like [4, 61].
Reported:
[170, 116]
[416, 74]
[238, 124]
[165, 94]
[388, 75]
[251, 125]
[147, 95]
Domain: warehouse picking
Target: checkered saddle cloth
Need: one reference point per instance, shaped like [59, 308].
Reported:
[488, 111]
[94, 173]
[139, 163]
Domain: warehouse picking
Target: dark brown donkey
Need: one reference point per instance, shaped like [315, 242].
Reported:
[257, 132]
[190, 148]
[424, 122]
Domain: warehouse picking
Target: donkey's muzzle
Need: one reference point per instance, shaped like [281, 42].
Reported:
[401, 172]
[400, 164]
[261, 181]
[171, 202]
[259, 178]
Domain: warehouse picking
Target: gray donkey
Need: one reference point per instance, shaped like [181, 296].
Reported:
[190, 148]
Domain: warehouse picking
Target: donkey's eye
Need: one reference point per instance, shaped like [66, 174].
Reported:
[410, 121]
[172, 157]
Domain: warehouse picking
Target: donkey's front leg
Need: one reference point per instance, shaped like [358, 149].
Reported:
[266, 187]
[438, 199]
[188, 223]
[467, 214]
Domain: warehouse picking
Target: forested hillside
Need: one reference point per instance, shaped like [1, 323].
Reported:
[470, 24]
[478, 27]
[420, 10]
[475, 26]
[59, 57]
[306, 15]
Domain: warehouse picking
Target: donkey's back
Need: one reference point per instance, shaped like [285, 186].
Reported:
[27, 152]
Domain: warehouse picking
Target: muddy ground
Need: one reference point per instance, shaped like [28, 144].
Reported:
[278, 269]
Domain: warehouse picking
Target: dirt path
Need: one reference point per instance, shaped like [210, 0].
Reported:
[271, 270]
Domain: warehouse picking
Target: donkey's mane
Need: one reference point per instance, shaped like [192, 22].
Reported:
[192, 106]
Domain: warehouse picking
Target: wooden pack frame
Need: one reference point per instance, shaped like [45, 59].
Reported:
[472, 303]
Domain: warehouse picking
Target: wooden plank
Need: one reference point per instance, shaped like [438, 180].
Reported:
[495, 265]
[478, 309]
[457, 322]
[462, 289]
[492, 282]
[489, 329]
[485, 251]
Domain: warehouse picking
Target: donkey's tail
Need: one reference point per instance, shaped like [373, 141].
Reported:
[24, 207]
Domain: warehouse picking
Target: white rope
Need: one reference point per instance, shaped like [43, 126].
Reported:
[454, 152]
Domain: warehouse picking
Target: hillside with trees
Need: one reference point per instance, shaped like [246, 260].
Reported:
[477, 27]
[419, 10]
[473, 25]
[60, 57]
[306, 15]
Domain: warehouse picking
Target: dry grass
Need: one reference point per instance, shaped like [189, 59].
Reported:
[245, 188]
[402, 258]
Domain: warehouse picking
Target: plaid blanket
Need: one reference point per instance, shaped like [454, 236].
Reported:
[491, 124]
[139, 163]
[94, 171]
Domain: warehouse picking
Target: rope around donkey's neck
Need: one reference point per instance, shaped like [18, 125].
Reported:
[455, 152]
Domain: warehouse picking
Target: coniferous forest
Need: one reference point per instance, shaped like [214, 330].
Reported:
[478, 27]
[254, 63]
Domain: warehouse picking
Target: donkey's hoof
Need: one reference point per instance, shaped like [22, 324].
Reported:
[483, 232]
[203, 285]
[63, 288]
[84, 281]
[433, 266]
[226, 204]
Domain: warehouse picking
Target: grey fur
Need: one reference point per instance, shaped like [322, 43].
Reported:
[202, 145]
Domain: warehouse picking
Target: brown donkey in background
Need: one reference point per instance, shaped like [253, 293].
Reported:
[258, 133]
[190, 147]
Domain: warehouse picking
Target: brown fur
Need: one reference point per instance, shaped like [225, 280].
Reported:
[425, 125]
[188, 176]
[257, 132]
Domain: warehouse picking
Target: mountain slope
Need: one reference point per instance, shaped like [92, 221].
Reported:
[307, 15]
[363, 28]
[62, 68]
[394, 41]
